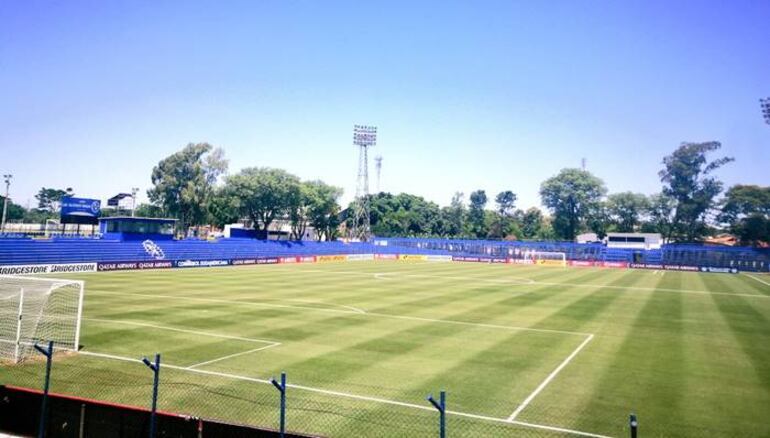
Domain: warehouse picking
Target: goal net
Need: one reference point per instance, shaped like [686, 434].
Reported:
[548, 258]
[38, 310]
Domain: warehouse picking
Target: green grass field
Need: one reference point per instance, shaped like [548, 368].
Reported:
[364, 343]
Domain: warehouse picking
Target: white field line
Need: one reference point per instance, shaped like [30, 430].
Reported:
[650, 289]
[351, 396]
[758, 279]
[230, 356]
[548, 379]
[380, 315]
[478, 324]
[345, 309]
[175, 329]
[516, 281]
[355, 309]
[508, 280]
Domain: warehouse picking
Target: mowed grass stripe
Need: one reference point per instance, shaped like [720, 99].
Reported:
[696, 374]
[570, 397]
[646, 368]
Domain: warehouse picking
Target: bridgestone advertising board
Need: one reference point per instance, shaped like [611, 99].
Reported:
[68, 268]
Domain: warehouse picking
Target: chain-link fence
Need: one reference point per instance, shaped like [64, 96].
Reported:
[258, 402]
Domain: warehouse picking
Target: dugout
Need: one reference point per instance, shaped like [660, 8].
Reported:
[136, 228]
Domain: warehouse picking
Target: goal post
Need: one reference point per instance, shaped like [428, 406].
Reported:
[547, 258]
[38, 310]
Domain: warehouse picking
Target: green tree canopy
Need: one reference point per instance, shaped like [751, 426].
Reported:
[687, 179]
[572, 196]
[263, 194]
[49, 199]
[13, 212]
[746, 211]
[323, 209]
[501, 222]
[403, 215]
[477, 225]
[184, 182]
[626, 210]
[452, 217]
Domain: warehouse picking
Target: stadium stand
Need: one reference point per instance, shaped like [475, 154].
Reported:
[24, 251]
[742, 258]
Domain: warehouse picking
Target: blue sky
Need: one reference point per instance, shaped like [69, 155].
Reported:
[467, 95]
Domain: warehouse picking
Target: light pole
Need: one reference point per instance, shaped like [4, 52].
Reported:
[765, 104]
[7, 178]
[134, 191]
[364, 137]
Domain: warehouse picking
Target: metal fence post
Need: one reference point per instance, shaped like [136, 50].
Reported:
[441, 407]
[634, 424]
[155, 367]
[48, 353]
[282, 389]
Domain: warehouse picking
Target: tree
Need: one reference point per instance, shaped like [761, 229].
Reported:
[687, 179]
[661, 212]
[404, 215]
[530, 222]
[49, 199]
[571, 196]
[298, 211]
[626, 209]
[598, 219]
[14, 211]
[323, 208]
[746, 212]
[452, 217]
[502, 223]
[149, 210]
[184, 182]
[263, 194]
[223, 208]
[476, 224]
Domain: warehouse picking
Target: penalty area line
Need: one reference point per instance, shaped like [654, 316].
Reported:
[230, 356]
[757, 279]
[351, 396]
[548, 379]
[180, 330]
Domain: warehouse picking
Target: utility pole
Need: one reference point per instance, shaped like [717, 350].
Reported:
[134, 191]
[7, 178]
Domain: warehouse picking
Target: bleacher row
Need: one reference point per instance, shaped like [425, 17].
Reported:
[15, 251]
[742, 258]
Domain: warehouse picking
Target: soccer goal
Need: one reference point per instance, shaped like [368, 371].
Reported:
[38, 310]
[548, 258]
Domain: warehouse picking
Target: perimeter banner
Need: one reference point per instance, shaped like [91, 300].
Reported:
[360, 257]
[47, 269]
[331, 258]
[413, 257]
[128, 266]
[256, 261]
[200, 263]
[439, 258]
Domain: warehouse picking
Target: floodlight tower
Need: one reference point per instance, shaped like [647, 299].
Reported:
[364, 137]
[378, 166]
[7, 178]
[765, 104]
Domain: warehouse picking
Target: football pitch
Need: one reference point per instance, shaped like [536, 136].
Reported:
[520, 350]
